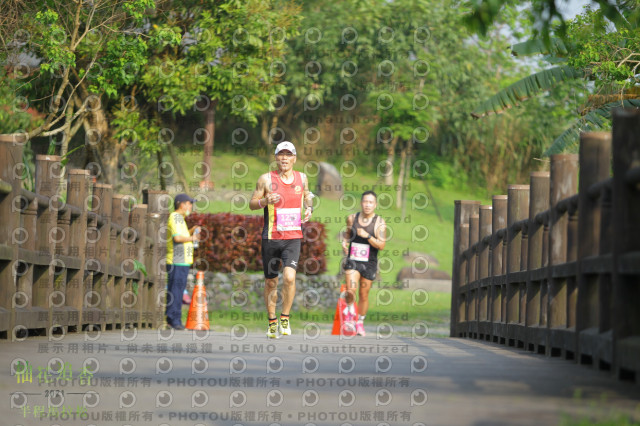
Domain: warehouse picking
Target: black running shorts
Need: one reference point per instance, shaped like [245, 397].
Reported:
[367, 270]
[279, 252]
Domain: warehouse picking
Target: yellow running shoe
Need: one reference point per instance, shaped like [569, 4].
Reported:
[272, 329]
[285, 330]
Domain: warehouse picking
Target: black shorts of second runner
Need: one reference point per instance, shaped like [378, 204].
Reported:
[276, 251]
[367, 270]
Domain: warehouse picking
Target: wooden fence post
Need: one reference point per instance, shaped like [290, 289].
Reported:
[139, 224]
[153, 303]
[563, 184]
[62, 313]
[462, 211]
[25, 267]
[10, 160]
[116, 256]
[538, 203]
[99, 300]
[498, 222]
[606, 249]
[158, 205]
[472, 273]
[595, 156]
[462, 304]
[484, 265]
[127, 241]
[78, 189]
[626, 243]
[48, 176]
[517, 211]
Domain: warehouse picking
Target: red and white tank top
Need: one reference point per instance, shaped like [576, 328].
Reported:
[283, 220]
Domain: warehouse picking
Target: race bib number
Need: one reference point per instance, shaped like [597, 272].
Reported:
[288, 219]
[359, 252]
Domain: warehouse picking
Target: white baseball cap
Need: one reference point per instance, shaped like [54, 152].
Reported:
[286, 146]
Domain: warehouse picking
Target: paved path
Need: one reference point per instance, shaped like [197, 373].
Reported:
[218, 379]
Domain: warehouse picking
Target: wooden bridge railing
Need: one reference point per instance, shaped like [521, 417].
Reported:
[69, 265]
[554, 271]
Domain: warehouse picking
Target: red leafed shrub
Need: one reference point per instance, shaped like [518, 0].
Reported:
[233, 243]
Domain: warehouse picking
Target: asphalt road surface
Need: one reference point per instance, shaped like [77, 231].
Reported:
[151, 377]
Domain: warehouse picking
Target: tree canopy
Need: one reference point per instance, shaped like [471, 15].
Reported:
[369, 79]
[599, 51]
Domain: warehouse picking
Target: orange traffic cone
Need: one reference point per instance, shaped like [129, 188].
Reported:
[198, 316]
[336, 318]
[339, 325]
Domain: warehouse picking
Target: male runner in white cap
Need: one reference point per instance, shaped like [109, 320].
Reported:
[287, 202]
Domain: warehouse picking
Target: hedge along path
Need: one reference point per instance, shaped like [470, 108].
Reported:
[231, 243]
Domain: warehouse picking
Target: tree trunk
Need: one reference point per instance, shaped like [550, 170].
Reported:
[401, 176]
[433, 200]
[98, 137]
[68, 134]
[163, 183]
[407, 176]
[179, 171]
[274, 124]
[264, 130]
[64, 147]
[110, 167]
[391, 156]
[267, 127]
[210, 126]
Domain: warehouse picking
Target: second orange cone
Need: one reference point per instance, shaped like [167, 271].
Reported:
[339, 327]
[198, 316]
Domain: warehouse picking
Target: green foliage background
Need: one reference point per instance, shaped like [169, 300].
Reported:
[387, 87]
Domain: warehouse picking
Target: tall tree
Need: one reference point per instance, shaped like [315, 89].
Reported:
[115, 67]
[220, 54]
[417, 56]
[70, 60]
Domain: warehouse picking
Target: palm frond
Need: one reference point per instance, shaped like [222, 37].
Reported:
[525, 89]
[537, 46]
[552, 60]
[616, 12]
[594, 120]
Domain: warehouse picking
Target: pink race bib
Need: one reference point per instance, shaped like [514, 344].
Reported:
[359, 252]
[288, 219]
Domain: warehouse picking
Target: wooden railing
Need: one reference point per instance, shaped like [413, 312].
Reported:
[553, 269]
[69, 265]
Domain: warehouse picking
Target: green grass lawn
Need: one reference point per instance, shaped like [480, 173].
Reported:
[393, 306]
[234, 172]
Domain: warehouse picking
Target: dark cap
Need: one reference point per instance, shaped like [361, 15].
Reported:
[182, 198]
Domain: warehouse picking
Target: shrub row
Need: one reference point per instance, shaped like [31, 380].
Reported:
[233, 243]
